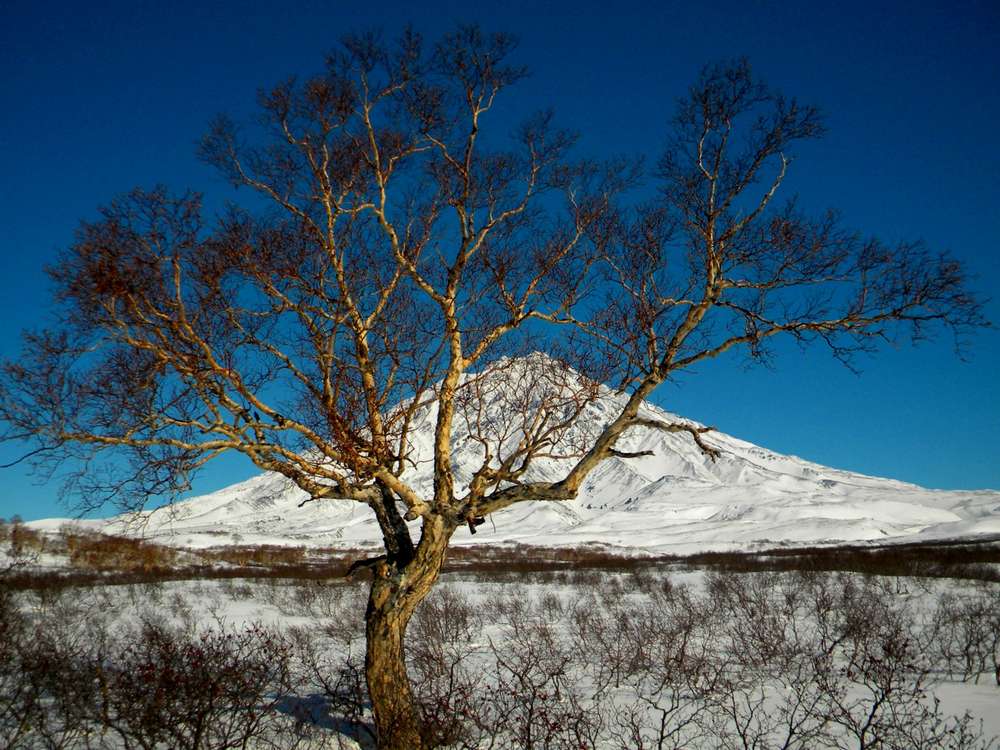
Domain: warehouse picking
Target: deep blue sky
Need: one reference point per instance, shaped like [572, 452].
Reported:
[99, 98]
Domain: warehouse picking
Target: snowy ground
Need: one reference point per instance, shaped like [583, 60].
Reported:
[600, 649]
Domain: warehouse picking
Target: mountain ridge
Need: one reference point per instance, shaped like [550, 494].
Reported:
[676, 499]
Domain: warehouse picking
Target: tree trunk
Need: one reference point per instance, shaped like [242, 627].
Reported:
[394, 596]
[397, 719]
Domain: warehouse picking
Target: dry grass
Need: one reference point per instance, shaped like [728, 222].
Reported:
[100, 558]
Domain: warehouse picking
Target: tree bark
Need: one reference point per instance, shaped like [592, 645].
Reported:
[394, 595]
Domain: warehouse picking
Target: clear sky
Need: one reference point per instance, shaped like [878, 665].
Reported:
[99, 98]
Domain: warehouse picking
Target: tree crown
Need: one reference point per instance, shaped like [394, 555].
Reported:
[402, 255]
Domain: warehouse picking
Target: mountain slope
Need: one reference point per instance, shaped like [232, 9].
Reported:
[675, 500]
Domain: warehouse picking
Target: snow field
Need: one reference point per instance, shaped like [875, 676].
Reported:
[591, 658]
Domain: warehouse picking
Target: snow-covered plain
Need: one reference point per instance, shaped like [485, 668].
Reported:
[584, 645]
[676, 500]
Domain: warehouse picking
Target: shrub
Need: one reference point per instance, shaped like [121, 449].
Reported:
[211, 691]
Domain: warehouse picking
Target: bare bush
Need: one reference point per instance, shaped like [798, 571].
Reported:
[91, 550]
[677, 678]
[213, 691]
[536, 699]
[20, 707]
[449, 691]
[967, 634]
[77, 684]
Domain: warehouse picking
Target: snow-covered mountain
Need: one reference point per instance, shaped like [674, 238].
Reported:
[676, 500]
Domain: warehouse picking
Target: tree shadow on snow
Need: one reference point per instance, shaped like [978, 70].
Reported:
[314, 710]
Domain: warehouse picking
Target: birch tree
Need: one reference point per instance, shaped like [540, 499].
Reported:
[392, 257]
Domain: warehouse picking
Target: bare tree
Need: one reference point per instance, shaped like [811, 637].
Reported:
[394, 255]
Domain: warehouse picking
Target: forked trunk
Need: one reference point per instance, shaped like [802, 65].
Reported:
[393, 598]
